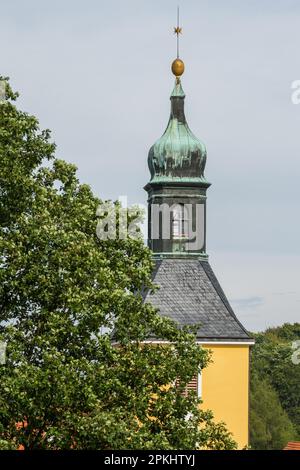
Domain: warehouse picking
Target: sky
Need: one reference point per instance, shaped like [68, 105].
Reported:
[98, 75]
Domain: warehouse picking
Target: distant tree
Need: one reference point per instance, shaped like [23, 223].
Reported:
[287, 332]
[270, 426]
[272, 365]
[64, 384]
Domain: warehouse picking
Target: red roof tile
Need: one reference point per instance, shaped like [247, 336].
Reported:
[292, 446]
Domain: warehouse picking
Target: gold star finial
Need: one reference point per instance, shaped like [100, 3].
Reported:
[177, 31]
[177, 65]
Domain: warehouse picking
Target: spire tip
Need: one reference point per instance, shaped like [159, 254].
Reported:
[177, 64]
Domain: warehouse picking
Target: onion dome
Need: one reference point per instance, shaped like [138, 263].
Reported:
[178, 155]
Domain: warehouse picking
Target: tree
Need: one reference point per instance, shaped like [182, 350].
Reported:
[270, 426]
[275, 392]
[66, 384]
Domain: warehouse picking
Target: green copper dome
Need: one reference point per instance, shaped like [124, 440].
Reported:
[178, 155]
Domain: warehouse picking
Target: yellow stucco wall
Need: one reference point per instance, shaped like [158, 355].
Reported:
[225, 388]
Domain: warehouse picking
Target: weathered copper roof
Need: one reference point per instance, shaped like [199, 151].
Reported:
[178, 155]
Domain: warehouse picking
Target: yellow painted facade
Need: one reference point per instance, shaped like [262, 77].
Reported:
[225, 388]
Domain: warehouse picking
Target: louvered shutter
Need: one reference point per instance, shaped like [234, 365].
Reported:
[192, 385]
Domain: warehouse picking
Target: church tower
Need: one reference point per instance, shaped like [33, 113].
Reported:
[189, 291]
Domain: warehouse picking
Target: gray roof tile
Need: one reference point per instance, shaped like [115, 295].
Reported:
[190, 294]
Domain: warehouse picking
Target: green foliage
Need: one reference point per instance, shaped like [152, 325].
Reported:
[65, 385]
[275, 389]
[22, 148]
[270, 427]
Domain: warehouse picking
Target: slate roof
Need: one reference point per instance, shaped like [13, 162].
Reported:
[190, 293]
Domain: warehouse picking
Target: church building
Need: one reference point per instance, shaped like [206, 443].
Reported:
[189, 291]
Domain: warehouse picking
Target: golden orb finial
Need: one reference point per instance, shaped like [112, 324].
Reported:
[177, 67]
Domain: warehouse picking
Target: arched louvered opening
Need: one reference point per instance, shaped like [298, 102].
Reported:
[180, 227]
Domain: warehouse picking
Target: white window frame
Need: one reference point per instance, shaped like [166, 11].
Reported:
[199, 384]
[180, 220]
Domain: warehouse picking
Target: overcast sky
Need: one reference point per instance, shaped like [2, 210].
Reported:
[98, 74]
